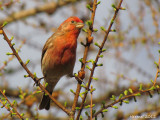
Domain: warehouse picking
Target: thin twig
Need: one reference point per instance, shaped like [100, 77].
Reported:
[91, 103]
[97, 57]
[123, 98]
[36, 80]
[157, 72]
[81, 74]
[17, 113]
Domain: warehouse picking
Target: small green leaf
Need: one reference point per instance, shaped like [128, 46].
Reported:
[115, 107]
[101, 64]
[103, 50]
[34, 75]
[94, 78]
[5, 23]
[72, 91]
[152, 81]
[22, 114]
[152, 88]
[81, 59]
[12, 114]
[65, 103]
[113, 30]
[27, 61]
[75, 74]
[88, 67]
[8, 106]
[86, 113]
[99, 2]
[138, 94]
[120, 96]
[38, 91]
[130, 90]
[105, 110]
[96, 44]
[113, 98]
[82, 85]
[157, 65]
[4, 102]
[26, 76]
[81, 118]
[14, 102]
[4, 91]
[95, 30]
[46, 84]
[157, 86]
[89, 23]
[125, 92]
[126, 101]
[101, 56]
[84, 30]
[140, 87]
[102, 28]
[112, 21]
[12, 38]
[13, 44]
[88, 6]
[9, 53]
[113, 6]
[122, 8]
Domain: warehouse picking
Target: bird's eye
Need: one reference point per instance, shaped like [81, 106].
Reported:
[72, 21]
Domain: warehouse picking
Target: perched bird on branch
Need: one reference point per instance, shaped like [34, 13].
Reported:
[59, 55]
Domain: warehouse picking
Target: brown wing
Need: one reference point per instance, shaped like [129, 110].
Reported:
[48, 43]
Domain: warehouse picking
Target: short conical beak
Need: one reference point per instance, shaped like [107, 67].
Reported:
[79, 25]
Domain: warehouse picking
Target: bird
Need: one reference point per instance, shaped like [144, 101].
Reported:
[59, 55]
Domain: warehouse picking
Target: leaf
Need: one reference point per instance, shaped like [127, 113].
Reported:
[125, 92]
[115, 107]
[105, 110]
[130, 90]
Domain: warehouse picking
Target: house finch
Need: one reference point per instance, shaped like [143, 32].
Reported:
[59, 55]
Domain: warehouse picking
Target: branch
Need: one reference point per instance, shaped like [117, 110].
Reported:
[50, 7]
[36, 80]
[97, 57]
[126, 97]
[8, 107]
[81, 73]
[158, 71]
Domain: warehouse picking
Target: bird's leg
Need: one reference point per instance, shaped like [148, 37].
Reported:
[38, 81]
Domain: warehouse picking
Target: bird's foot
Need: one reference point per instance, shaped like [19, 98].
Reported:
[38, 81]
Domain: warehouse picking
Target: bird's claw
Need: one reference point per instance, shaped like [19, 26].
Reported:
[38, 81]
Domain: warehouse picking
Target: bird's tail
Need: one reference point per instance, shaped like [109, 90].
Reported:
[45, 102]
